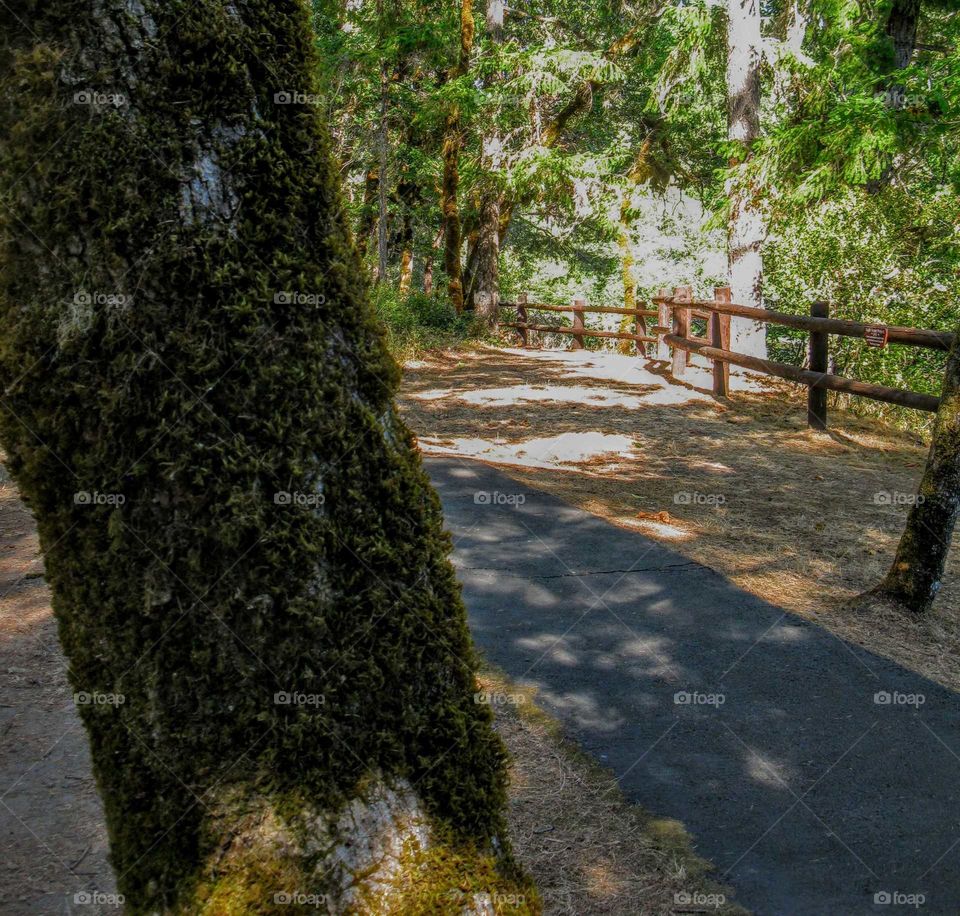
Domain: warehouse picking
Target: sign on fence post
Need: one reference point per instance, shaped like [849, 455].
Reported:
[876, 335]
[819, 356]
[578, 306]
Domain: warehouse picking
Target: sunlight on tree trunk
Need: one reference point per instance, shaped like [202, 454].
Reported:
[242, 546]
[745, 231]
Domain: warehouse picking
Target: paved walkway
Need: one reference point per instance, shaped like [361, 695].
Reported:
[818, 777]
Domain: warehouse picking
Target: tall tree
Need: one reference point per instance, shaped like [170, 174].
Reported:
[247, 561]
[452, 144]
[485, 279]
[917, 571]
[745, 227]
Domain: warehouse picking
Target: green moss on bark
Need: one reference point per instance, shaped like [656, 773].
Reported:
[159, 206]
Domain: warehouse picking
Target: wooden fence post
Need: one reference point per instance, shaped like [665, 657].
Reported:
[819, 355]
[522, 319]
[681, 326]
[663, 320]
[578, 306]
[720, 338]
[640, 327]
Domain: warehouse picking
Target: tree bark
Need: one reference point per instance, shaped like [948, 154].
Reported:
[383, 145]
[917, 571]
[486, 278]
[453, 141]
[902, 29]
[745, 230]
[485, 281]
[248, 565]
[368, 213]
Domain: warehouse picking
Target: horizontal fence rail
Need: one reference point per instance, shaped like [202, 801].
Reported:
[578, 329]
[683, 308]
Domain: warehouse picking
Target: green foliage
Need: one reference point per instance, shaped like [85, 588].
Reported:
[417, 323]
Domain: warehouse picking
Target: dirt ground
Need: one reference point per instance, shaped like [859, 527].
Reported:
[51, 822]
[805, 520]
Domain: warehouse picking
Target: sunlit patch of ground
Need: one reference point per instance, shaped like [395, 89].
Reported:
[803, 519]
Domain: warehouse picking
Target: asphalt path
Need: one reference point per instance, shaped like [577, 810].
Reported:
[819, 778]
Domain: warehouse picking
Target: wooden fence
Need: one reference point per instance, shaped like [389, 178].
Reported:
[677, 312]
[577, 329]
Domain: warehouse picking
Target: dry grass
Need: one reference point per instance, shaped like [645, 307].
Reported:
[797, 517]
[587, 848]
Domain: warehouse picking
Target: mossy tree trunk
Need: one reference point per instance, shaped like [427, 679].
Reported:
[917, 572]
[247, 561]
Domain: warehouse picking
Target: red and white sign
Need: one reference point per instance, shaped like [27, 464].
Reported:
[876, 335]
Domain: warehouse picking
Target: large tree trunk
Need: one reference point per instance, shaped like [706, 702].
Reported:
[452, 142]
[486, 278]
[248, 565]
[745, 230]
[917, 571]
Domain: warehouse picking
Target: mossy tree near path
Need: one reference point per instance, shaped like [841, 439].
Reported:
[916, 575]
[248, 565]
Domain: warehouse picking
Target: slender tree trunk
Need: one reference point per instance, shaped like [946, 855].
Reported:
[626, 271]
[368, 214]
[408, 194]
[453, 140]
[383, 146]
[917, 571]
[428, 262]
[485, 282]
[746, 230]
[247, 561]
